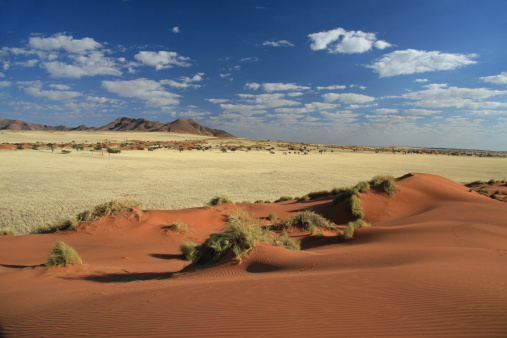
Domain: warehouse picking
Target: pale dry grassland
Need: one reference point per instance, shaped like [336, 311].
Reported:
[40, 187]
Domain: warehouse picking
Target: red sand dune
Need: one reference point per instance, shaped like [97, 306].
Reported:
[433, 263]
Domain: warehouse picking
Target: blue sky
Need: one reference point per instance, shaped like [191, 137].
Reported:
[382, 73]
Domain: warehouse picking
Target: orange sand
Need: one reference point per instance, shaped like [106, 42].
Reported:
[433, 263]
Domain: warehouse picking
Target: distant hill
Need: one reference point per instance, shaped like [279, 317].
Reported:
[124, 124]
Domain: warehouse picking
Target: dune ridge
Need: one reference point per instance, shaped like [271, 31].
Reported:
[433, 263]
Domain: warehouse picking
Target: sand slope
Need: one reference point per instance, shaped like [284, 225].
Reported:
[434, 263]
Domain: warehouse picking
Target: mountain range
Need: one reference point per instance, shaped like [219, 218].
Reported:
[188, 126]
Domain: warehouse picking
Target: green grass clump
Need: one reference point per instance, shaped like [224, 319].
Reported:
[187, 249]
[348, 232]
[241, 235]
[354, 204]
[8, 231]
[218, 200]
[63, 255]
[475, 184]
[362, 186]
[316, 194]
[284, 198]
[359, 223]
[387, 182]
[286, 242]
[304, 221]
[110, 208]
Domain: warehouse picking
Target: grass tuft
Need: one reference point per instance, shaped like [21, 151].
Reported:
[188, 250]
[217, 200]
[387, 182]
[272, 216]
[354, 204]
[179, 227]
[286, 242]
[110, 208]
[63, 255]
[304, 221]
[283, 199]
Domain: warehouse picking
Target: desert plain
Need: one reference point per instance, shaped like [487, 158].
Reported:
[433, 262]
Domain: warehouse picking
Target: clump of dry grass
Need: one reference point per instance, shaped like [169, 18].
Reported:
[387, 182]
[217, 200]
[178, 226]
[305, 221]
[63, 255]
[187, 249]
[110, 208]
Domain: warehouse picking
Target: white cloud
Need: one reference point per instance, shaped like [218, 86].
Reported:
[162, 59]
[279, 43]
[217, 100]
[268, 100]
[440, 96]
[335, 87]
[341, 41]
[176, 30]
[65, 42]
[253, 59]
[59, 86]
[2, 74]
[496, 79]
[385, 111]
[308, 108]
[34, 88]
[95, 63]
[4, 84]
[420, 112]
[421, 80]
[356, 86]
[243, 108]
[277, 87]
[347, 98]
[252, 85]
[185, 82]
[412, 61]
[151, 91]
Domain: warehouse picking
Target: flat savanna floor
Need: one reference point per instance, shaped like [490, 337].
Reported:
[40, 187]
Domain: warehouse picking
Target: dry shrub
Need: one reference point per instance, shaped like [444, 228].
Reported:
[304, 221]
[63, 255]
[387, 182]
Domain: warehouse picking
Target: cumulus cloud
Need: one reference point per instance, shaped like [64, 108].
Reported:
[308, 108]
[412, 61]
[383, 111]
[4, 84]
[421, 80]
[496, 79]
[65, 42]
[276, 87]
[279, 43]
[34, 88]
[176, 30]
[245, 109]
[441, 95]
[347, 98]
[216, 101]
[59, 86]
[95, 63]
[268, 100]
[335, 87]
[151, 91]
[162, 59]
[420, 112]
[341, 41]
[185, 81]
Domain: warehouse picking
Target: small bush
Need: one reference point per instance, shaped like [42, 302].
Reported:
[218, 200]
[387, 182]
[348, 232]
[484, 192]
[259, 201]
[491, 182]
[241, 235]
[272, 216]
[362, 186]
[110, 208]
[355, 207]
[178, 227]
[8, 231]
[359, 223]
[341, 197]
[304, 221]
[317, 194]
[283, 199]
[188, 250]
[63, 255]
[113, 151]
[286, 242]
[475, 184]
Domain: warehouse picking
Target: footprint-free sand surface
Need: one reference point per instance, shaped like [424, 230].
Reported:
[433, 263]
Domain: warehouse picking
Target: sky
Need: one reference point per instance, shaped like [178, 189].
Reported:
[375, 73]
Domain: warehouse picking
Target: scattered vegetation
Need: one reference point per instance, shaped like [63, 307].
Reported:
[284, 198]
[63, 255]
[355, 207]
[218, 200]
[286, 242]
